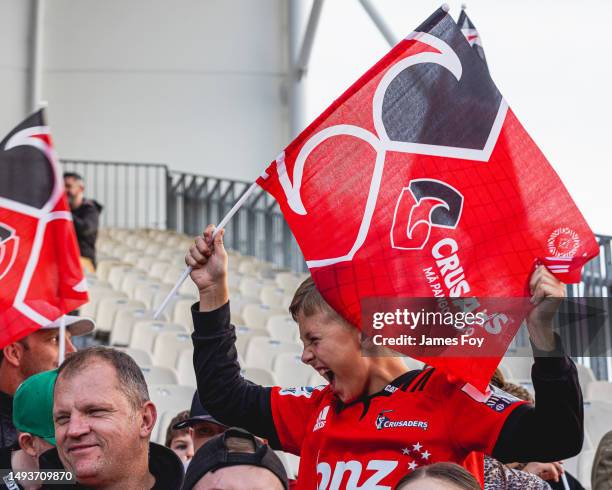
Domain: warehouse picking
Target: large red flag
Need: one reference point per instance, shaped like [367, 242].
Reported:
[420, 181]
[40, 275]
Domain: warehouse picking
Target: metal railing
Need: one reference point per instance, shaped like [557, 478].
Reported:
[133, 194]
[258, 228]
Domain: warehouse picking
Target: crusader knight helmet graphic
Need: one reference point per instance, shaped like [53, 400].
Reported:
[9, 244]
[424, 204]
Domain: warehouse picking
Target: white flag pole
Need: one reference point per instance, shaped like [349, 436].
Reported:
[62, 340]
[565, 482]
[218, 228]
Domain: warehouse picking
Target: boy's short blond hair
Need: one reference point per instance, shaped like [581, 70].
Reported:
[308, 301]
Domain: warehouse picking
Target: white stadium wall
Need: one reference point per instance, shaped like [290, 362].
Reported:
[15, 17]
[196, 84]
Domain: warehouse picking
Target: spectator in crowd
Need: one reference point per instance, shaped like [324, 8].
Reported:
[553, 472]
[85, 215]
[601, 474]
[103, 422]
[498, 476]
[202, 426]
[33, 354]
[439, 476]
[179, 440]
[374, 418]
[235, 460]
[33, 419]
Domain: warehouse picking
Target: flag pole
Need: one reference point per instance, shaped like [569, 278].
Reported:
[218, 228]
[62, 340]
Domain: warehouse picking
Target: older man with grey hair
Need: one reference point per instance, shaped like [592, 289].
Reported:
[103, 421]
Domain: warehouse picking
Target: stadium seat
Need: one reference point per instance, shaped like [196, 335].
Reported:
[141, 357]
[519, 367]
[258, 376]
[172, 274]
[290, 462]
[170, 399]
[132, 279]
[288, 281]
[283, 327]
[261, 351]
[146, 292]
[182, 312]
[95, 296]
[184, 368]
[272, 295]
[585, 376]
[256, 315]
[104, 267]
[158, 270]
[597, 417]
[144, 333]
[159, 375]
[289, 370]
[168, 346]
[316, 380]
[107, 309]
[598, 391]
[250, 286]
[171, 307]
[124, 322]
[161, 426]
[145, 262]
[117, 273]
[239, 301]
[245, 334]
[188, 288]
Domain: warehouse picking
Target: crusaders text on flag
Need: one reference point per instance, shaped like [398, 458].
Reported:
[40, 274]
[420, 181]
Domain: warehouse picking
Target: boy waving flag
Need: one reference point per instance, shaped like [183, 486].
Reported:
[440, 179]
[40, 274]
[420, 181]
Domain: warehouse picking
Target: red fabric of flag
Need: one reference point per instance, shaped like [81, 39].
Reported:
[421, 166]
[40, 274]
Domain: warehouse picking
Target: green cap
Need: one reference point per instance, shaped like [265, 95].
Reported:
[33, 406]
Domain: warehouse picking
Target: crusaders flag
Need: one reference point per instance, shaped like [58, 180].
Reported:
[471, 34]
[420, 181]
[40, 274]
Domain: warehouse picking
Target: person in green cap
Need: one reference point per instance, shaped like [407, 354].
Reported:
[33, 419]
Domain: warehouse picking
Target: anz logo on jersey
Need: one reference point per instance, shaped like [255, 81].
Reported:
[333, 478]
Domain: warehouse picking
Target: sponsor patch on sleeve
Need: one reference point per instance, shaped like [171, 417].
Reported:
[494, 398]
[305, 391]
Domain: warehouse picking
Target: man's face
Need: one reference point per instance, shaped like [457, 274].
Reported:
[238, 478]
[74, 189]
[202, 432]
[41, 351]
[98, 432]
[333, 349]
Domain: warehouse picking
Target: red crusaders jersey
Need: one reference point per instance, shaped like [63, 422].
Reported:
[420, 418]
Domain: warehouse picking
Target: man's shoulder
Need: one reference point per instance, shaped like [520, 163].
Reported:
[90, 205]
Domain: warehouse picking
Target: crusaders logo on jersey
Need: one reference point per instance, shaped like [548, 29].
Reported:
[384, 422]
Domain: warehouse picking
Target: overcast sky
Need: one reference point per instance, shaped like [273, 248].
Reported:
[552, 61]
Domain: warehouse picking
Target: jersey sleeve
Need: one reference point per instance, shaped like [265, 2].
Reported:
[476, 419]
[292, 411]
